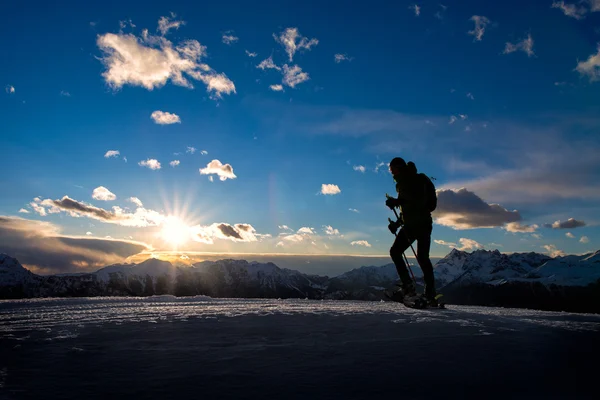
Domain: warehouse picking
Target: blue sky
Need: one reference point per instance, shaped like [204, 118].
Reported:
[273, 100]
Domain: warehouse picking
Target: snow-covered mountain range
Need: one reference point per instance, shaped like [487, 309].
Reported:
[468, 278]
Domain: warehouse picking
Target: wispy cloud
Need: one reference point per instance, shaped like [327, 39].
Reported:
[571, 223]
[102, 193]
[360, 168]
[65, 93]
[276, 88]
[293, 41]
[360, 243]
[174, 163]
[136, 201]
[330, 189]
[553, 251]
[462, 209]
[165, 24]
[228, 38]
[590, 67]
[10, 89]
[525, 45]
[584, 239]
[416, 9]
[480, 23]
[204, 152]
[569, 235]
[338, 58]
[112, 153]
[150, 163]
[470, 96]
[165, 118]
[353, 210]
[331, 231]
[268, 63]
[571, 10]
[217, 168]
[518, 227]
[251, 54]
[23, 211]
[150, 61]
[444, 243]
[190, 150]
[293, 76]
[469, 244]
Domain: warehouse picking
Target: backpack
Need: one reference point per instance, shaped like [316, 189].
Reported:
[429, 192]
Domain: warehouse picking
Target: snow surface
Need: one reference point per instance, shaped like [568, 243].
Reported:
[170, 347]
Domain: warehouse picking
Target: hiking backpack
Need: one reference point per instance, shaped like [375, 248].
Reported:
[430, 194]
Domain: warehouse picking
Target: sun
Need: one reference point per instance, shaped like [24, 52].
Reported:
[175, 231]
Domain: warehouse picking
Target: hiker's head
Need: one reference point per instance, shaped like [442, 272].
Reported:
[397, 165]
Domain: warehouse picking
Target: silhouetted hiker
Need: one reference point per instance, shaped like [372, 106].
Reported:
[417, 199]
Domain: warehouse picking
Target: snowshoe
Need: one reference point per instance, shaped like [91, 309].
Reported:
[416, 301]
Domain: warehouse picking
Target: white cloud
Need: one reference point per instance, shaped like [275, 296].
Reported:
[292, 41]
[570, 10]
[166, 23]
[150, 163]
[23, 211]
[250, 54]
[590, 67]
[276, 88]
[65, 93]
[102, 193]
[480, 24]
[306, 230]
[285, 227]
[216, 167]
[165, 118]
[219, 230]
[111, 153]
[594, 5]
[228, 38]
[330, 189]
[470, 96]
[444, 243]
[469, 244]
[280, 244]
[554, 252]
[331, 231]
[360, 243]
[204, 152]
[517, 227]
[88, 233]
[463, 116]
[353, 210]
[150, 61]
[140, 218]
[360, 168]
[452, 119]
[136, 201]
[416, 9]
[293, 76]
[268, 64]
[174, 163]
[525, 45]
[9, 89]
[569, 235]
[338, 58]
[584, 239]
[190, 150]
[211, 178]
[124, 158]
